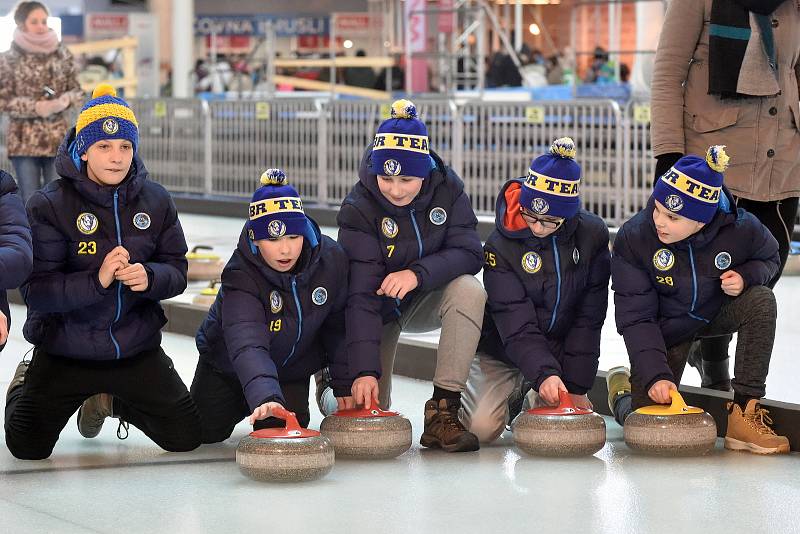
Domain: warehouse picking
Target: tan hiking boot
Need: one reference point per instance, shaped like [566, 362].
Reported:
[750, 431]
[618, 381]
[443, 428]
[93, 413]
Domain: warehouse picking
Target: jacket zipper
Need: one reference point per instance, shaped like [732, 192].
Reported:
[299, 320]
[558, 284]
[119, 285]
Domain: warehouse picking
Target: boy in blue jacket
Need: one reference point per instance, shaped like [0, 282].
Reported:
[107, 248]
[277, 319]
[16, 250]
[690, 266]
[410, 233]
[546, 273]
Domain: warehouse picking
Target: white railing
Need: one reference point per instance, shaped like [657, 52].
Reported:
[220, 148]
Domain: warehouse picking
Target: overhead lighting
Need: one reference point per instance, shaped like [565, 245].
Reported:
[347, 44]
[534, 29]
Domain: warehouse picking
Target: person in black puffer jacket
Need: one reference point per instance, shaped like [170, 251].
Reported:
[16, 250]
[278, 318]
[108, 247]
[546, 273]
[410, 233]
[691, 266]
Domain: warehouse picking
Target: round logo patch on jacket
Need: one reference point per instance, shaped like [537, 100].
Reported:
[391, 167]
[663, 259]
[389, 227]
[141, 221]
[276, 228]
[275, 302]
[319, 296]
[110, 126]
[87, 223]
[723, 260]
[531, 262]
[438, 216]
[539, 206]
[673, 203]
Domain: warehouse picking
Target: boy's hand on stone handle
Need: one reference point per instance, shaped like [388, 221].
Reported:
[549, 388]
[115, 260]
[398, 284]
[263, 411]
[659, 391]
[732, 283]
[364, 389]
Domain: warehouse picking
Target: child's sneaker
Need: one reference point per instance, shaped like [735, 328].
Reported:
[326, 400]
[618, 381]
[516, 400]
[93, 413]
[750, 431]
[19, 378]
[443, 428]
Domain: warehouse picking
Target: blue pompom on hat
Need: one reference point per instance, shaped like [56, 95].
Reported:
[552, 185]
[401, 146]
[276, 210]
[693, 186]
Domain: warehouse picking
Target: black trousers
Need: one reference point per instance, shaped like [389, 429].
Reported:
[221, 403]
[148, 393]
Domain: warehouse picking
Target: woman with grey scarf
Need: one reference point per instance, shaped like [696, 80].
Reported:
[39, 84]
[726, 73]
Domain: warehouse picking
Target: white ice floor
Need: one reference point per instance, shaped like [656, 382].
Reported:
[107, 485]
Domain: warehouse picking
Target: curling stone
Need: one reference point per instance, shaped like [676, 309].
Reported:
[204, 265]
[563, 430]
[290, 454]
[367, 433]
[674, 430]
[208, 295]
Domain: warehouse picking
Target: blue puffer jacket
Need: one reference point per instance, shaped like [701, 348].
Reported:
[547, 297]
[664, 294]
[266, 326]
[16, 251]
[435, 236]
[75, 224]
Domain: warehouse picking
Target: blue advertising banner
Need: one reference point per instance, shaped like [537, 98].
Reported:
[256, 25]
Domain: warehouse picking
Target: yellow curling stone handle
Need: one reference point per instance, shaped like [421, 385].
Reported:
[195, 255]
[678, 407]
[212, 290]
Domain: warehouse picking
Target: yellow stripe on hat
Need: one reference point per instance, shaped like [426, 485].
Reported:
[691, 187]
[550, 185]
[269, 206]
[104, 111]
[412, 143]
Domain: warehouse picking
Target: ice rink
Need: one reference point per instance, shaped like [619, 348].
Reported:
[108, 485]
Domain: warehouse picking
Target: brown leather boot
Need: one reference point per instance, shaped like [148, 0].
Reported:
[443, 429]
[749, 430]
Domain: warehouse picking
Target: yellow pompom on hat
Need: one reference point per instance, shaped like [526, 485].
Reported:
[105, 116]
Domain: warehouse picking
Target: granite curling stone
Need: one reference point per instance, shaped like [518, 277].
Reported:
[203, 265]
[290, 454]
[208, 295]
[559, 431]
[367, 433]
[674, 430]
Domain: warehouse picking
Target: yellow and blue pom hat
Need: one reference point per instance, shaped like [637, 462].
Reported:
[276, 210]
[401, 146]
[105, 116]
[552, 185]
[693, 186]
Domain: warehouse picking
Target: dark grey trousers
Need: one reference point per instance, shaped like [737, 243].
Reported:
[752, 316]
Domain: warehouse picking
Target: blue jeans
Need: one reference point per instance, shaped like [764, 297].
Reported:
[33, 173]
